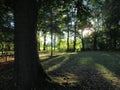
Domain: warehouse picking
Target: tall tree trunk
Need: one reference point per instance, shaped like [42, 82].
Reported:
[40, 43]
[95, 43]
[38, 40]
[2, 44]
[51, 42]
[110, 36]
[74, 43]
[28, 72]
[114, 43]
[82, 39]
[54, 41]
[44, 46]
[95, 40]
[68, 35]
[51, 31]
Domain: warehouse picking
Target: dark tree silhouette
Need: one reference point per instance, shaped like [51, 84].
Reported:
[28, 72]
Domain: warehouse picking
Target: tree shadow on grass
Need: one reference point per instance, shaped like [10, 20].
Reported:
[85, 71]
[112, 62]
[78, 71]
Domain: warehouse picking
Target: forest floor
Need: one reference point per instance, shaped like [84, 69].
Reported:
[74, 71]
[85, 70]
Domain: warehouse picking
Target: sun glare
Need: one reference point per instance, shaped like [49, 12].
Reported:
[87, 32]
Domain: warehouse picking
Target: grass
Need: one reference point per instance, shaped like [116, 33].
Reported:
[91, 70]
[75, 71]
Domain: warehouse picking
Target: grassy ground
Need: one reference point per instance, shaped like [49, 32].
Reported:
[75, 71]
[88, 70]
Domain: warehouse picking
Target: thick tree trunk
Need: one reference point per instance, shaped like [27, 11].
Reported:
[28, 71]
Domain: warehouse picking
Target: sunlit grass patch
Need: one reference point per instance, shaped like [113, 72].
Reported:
[107, 74]
[86, 60]
[55, 66]
[44, 56]
[94, 68]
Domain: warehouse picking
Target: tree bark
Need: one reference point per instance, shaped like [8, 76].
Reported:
[74, 43]
[68, 35]
[51, 31]
[28, 72]
[44, 46]
[95, 40]
[51, 42]
[54, 42]
[82, 39]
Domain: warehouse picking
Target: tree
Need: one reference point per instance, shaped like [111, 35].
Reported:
[44, 46]
[29, 74]
[98, 21]
[111, 11]
[49, 13]
[6, 27]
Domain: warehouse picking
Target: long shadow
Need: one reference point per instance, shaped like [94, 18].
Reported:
[53, 63]
[48, 58]
[79, 71]
[110, 60]
[83, 69]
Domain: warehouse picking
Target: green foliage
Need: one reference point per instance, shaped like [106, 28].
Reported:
[111, 15]
[78, 45]
[6, 41]
[59, 17]
[112, 10]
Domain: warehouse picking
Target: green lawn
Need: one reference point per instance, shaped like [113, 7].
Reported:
[74, 71]
[89, 70]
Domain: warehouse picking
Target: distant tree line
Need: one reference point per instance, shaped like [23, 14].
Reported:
[68, 18]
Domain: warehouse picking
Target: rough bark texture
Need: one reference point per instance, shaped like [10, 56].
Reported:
[28, 72]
